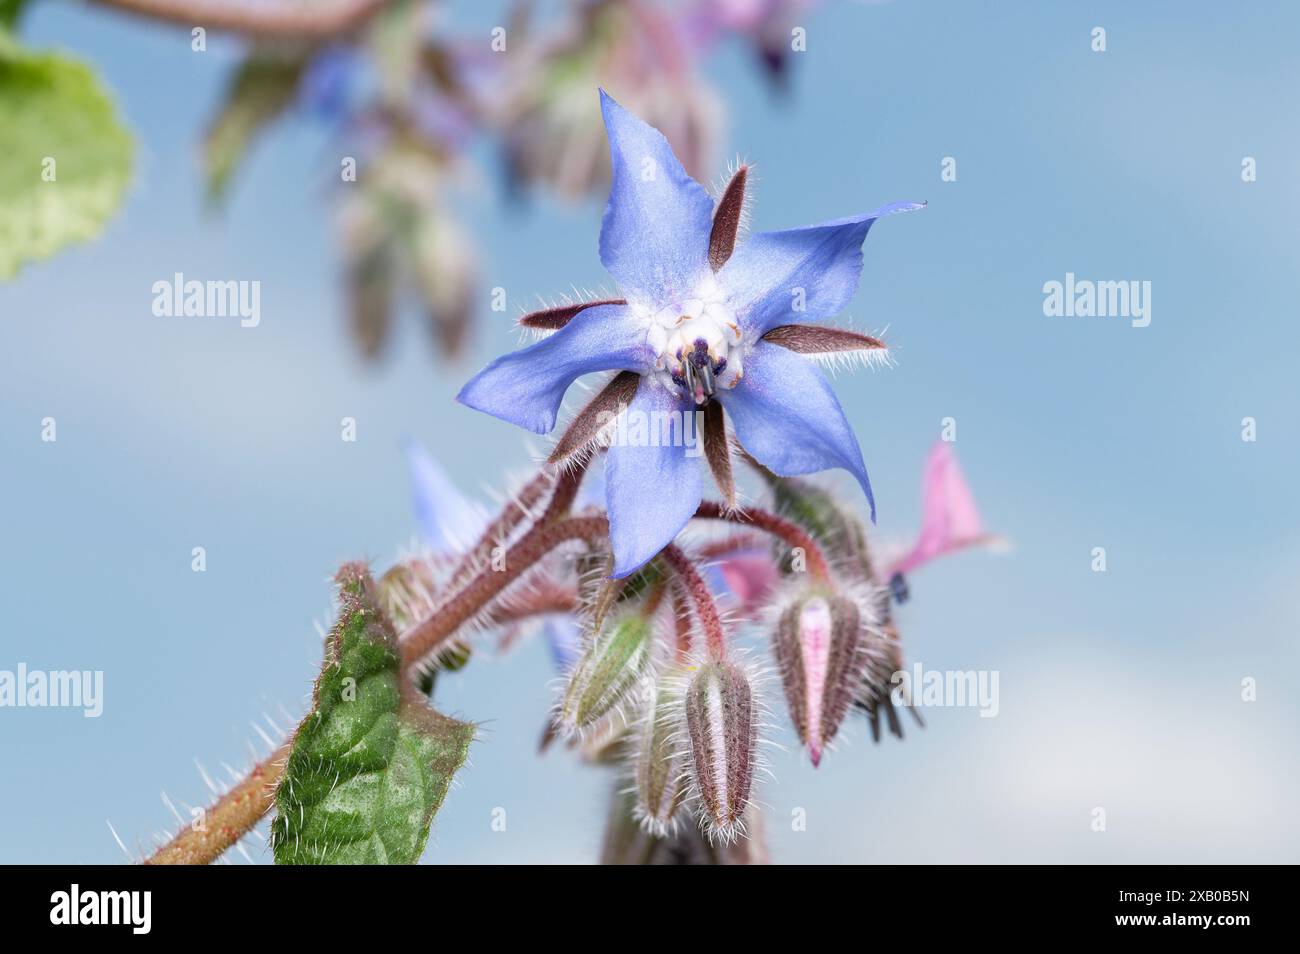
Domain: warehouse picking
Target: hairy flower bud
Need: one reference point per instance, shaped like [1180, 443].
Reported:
[821, 646]
[827, 520]
[722, 724]
[660, 767]
[614, 659]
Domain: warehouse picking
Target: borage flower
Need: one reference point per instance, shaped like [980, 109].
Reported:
[950, 521]
[700, 328]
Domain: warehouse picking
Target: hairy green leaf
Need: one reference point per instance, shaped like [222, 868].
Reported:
[66, 156]
[372, 762]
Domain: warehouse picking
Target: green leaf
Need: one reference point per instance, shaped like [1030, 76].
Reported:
[10, 10]
[262, 88]
[371, 763]
[67, 157]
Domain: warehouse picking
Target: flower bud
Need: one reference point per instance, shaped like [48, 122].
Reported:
[615, 658]
[660, 767]
[838, 530]
[722, 724]
[821, 648]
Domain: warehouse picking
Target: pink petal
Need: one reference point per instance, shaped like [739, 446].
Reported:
[949, 518]
[749, 576]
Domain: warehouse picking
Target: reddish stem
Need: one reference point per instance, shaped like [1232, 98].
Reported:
[566, 488]
[786, 530]
[424, 637]
[706, 611]
[515, 512]
[230, 817]
[284, 19]
[682, 618]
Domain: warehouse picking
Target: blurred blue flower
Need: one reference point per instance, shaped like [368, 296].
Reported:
[328, 81]
[449, 522]
[564, 639]
[699, 323]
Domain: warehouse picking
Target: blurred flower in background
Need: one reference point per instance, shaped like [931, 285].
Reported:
[406, 96]
[642, 54]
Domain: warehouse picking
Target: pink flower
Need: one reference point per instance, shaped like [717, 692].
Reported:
[949, 518]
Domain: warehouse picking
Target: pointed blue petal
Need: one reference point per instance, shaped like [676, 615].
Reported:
[448, 521]
[798, 275]
[526, 387]
[786, 415]
[564, 639]
[651, 491]
[654, 239]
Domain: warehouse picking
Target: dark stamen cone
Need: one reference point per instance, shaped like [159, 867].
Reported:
[718, 450]
[821, 651]
[820, 339]
[722, 725]
[877, 695]
[602, 409]
[553, 319]
[726, 220]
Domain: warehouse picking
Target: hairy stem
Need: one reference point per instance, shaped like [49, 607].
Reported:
[281, 19]
[567, 485]
[682, 623]
[424, 637]
[706, 611]
[514, 513]
[786, 530]
[229, 818]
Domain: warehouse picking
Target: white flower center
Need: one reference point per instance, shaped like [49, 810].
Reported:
[697, 344]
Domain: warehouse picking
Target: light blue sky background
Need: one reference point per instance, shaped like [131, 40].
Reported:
[1119, 690]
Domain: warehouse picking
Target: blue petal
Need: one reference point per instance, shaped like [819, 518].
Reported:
[654, 239]
[651, 490]
[328, 80]
[448, 521]
[564, 639]
[763, 277]
[786, 415]
[526, 387]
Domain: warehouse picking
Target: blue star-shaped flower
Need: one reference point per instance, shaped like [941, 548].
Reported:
[704, 326]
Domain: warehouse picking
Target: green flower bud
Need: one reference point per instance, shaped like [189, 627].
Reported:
[659, 769]
[838, 530]
[615, 658]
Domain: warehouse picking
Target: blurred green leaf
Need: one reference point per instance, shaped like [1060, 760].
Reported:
[372, 762]
[67, 157]
[10, 10]
[262, 88]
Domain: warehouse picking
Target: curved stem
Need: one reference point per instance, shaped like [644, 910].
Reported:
[230, 817]
[514, 513]
[424, 637]
[786, 530]
[567, 485]
[706, 611]
[682, 624]
[283, 19]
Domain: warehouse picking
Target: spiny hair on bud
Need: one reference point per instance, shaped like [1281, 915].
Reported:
[724, 716]
[658, 758]
[615, 658]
